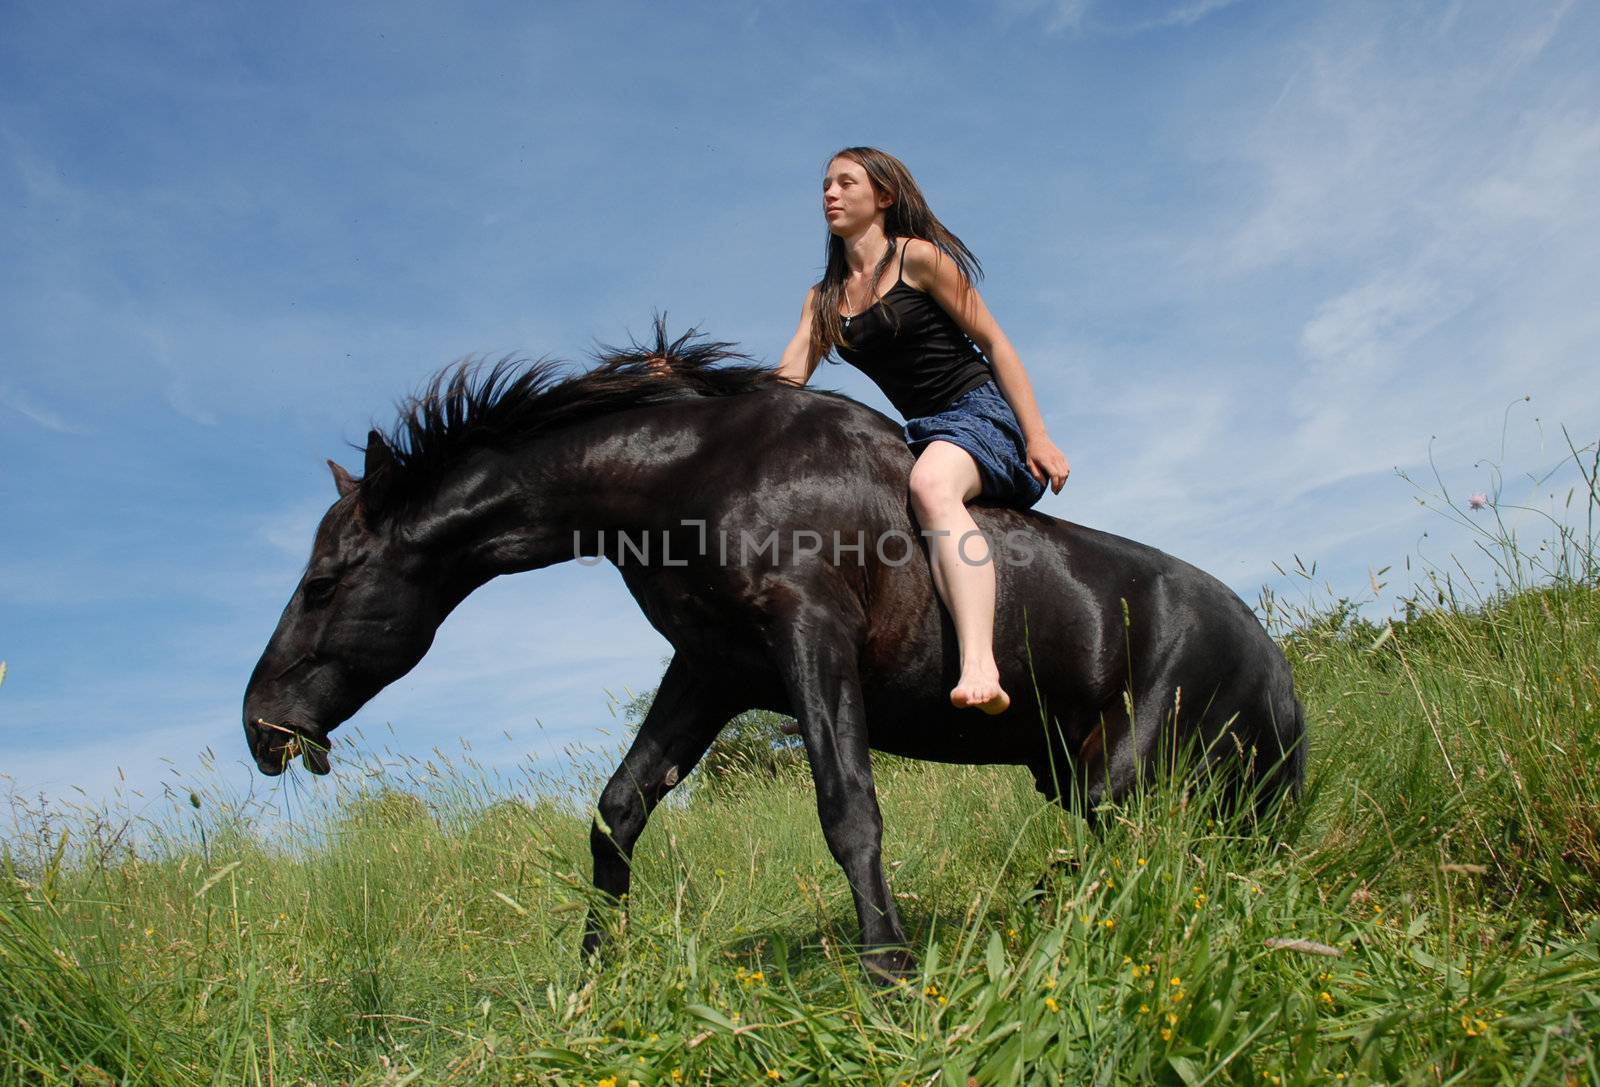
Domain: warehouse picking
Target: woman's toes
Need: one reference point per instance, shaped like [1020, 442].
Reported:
[984, 695]
[998, 704]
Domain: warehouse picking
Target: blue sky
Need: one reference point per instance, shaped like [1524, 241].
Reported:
[1255, 256]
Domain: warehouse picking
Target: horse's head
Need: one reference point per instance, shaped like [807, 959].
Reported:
[363, 615]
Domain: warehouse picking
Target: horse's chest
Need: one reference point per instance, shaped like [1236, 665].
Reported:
[689, 614]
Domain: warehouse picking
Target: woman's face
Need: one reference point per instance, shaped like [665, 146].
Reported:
[849, 202]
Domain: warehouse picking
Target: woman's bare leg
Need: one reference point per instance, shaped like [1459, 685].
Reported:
[943, 480]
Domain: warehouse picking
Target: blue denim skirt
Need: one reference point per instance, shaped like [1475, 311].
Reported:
[982, 423]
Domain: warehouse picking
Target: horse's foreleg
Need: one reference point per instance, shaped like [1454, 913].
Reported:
[825, 693]
[687, 713]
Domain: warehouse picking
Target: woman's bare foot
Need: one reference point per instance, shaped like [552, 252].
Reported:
[981, 691]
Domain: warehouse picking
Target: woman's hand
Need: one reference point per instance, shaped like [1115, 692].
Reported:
[1046, 462]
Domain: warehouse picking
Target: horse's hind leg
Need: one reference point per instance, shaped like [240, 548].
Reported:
[1082, 773]
[688, 711]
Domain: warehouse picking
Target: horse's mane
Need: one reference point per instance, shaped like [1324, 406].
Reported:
[467, 406]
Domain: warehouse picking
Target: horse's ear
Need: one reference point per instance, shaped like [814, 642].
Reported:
[342, 480]
[377, 475]
[379, 455]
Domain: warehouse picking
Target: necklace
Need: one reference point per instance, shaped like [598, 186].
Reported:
[852, 316]
[871, 295]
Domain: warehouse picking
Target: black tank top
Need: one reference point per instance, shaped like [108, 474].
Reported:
[913, 350]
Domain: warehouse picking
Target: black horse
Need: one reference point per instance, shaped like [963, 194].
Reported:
[765, 531]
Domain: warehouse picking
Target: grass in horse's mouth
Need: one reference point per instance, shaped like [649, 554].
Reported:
[292, 747]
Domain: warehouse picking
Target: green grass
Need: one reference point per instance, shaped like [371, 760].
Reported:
[1447, 854]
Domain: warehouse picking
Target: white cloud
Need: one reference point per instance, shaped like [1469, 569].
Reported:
[1181, 14]
[1104, 16]
[1532, 40]
[37, 413]
[1419, 207]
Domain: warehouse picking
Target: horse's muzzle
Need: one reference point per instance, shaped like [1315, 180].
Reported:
[275, 746]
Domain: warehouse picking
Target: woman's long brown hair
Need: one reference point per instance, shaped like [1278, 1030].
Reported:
[907, 217]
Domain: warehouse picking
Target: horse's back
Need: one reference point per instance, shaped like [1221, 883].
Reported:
[1083, 617]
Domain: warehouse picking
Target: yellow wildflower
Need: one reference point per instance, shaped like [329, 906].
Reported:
[609, 1081]
[772, 1074]
[1166, 1034]
[1050, 1002]
[1326, 997]
[1141, 862]
[1111, 922]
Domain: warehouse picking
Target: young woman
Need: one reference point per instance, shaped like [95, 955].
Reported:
[897, 301]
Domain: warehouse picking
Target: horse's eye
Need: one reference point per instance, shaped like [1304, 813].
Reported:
[319, 589]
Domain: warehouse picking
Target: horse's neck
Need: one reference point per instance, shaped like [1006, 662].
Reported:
[536, 506]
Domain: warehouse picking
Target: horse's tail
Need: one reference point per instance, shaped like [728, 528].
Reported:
[1284, 779]
[1295, 764]
[1282, 750]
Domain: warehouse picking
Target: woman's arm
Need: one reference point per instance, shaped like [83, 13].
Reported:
[927, 268]
[797, 364]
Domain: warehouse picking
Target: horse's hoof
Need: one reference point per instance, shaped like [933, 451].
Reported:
[889, 967]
